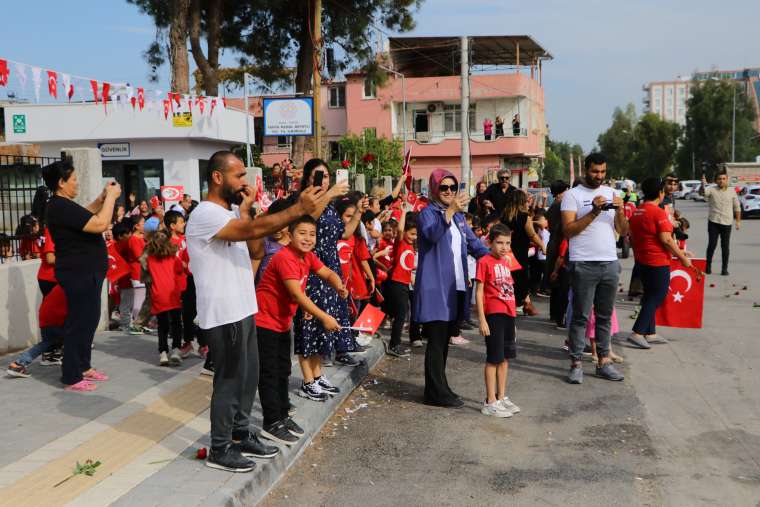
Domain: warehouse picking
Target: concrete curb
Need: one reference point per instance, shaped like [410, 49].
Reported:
[213, 488]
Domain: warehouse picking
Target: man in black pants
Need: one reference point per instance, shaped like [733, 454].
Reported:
[724, 205]
[220, 239]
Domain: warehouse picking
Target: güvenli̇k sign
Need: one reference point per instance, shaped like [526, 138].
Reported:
[19, 123]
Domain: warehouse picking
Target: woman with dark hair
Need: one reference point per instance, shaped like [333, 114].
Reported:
[443, 242]
[653, 246]
[81, 262]
[310, 336]
[517, 218]
[476, 204]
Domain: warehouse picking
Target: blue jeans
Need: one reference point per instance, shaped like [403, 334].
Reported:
[52, 337]
[656, 280]
[594, 285]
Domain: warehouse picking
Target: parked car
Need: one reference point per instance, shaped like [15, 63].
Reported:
[749, 200]
[694, 195]
[687, 186]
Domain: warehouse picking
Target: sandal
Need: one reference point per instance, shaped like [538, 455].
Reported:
[96, 375]
[83, 386]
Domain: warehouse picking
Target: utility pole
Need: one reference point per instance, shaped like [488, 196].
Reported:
[248, 129]
[317, 85]
[465, 110]
[733, 129]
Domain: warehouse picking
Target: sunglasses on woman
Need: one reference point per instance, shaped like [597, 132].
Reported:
[446, 188]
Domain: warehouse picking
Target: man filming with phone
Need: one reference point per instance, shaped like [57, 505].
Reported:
[591, 214]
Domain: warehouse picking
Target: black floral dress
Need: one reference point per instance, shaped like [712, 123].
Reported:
[310, 337]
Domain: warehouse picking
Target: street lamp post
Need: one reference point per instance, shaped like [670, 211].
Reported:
[733, 130]
[403, 98]
[248, 127]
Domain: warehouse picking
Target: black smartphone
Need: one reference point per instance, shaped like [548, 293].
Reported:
[608, 206]
[318, 177]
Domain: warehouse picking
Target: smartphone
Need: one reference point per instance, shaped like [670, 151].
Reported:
[608, 206]
[341, 175]
[318, 177]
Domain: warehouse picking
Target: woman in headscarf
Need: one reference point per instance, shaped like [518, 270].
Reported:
[443, 242]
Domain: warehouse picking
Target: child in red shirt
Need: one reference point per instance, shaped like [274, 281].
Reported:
[279, 293]
[397, 286]
[46, 274]
[30, 245]
[166, 272]
[131, 247]
[495, 297]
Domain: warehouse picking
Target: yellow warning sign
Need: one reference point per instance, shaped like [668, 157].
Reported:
[182, 120]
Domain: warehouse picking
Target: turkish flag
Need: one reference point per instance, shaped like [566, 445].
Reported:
[167, 105]
[117, 266]
[95, 90]
[686, 296]
[369, 320]
[53, 83]
[407, 170]
[4, 72]
[141, 98]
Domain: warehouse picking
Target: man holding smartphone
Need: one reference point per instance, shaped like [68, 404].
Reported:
[591, 214]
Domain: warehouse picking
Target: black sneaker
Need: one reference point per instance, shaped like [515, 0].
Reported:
[17, 370]
[229, 459]
[278, 432]
[360, 349]
[587, 350]
[51, 359]
[294, 428]
[724, 272]
[291, 409]
[326, 386]
[312, 391]
[252, 447]
[397, 351]
[347, 360]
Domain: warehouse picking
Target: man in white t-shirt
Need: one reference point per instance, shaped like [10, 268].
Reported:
[221, 235]
[591, 213]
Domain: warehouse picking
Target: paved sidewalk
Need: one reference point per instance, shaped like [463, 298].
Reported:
[144, 425]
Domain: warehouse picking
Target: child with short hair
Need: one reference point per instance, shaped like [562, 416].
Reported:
[131, 249]
[166, 272]
[495, 295]
[397, 286]
[279, 293]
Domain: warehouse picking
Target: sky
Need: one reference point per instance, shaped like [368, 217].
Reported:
[604, 50]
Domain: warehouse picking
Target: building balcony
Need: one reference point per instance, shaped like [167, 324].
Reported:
[449, 144]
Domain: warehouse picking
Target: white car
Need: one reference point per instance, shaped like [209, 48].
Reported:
[687, 186]
[749, 200]
[694, 194]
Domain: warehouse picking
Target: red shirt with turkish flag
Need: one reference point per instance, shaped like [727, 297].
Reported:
[357, 284]
[404, 261]
[164, 290]
[647, 222]
[385, 260]
[184, 258]
[498, 286]
[47, 271]
[276, 307]
[345, 255]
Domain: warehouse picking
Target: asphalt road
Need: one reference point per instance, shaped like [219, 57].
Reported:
[683, 428]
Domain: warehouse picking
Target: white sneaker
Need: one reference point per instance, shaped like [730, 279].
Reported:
[495, 409]
[163, 359]
[364, 339]
[175, 359]
[417, 344]
[459, 340]
[508, 405]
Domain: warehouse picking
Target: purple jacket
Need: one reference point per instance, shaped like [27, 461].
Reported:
[435, 291]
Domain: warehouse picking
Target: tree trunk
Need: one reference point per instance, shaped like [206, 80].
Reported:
[304, 70]
[178, 46]
[208, 66]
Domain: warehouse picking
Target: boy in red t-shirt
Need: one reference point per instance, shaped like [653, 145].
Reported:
[279, 293]
[400, 277]
[495, 297]
[166, 273]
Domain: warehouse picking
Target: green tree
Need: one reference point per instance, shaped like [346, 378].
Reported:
[557, 161]
[617, 142]
[654, 147]
[707, 139]
[372, 155]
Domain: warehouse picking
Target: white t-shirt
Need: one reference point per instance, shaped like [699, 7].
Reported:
[597, 241]
[544, 235]
[456, 247]
[222, 269]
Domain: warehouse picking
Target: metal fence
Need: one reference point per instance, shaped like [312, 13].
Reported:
[20, 177]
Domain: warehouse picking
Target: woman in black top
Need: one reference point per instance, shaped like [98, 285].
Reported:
[81, 262]
[516, 125]
[516, 217]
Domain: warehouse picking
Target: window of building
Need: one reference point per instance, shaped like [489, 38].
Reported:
[283, 141]
[203, 178]
[337, 97]
[370, 89]
[452, 118]
[335, 152]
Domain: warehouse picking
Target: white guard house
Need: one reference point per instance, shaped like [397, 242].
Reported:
[142, 150]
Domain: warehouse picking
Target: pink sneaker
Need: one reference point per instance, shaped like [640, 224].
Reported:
[203, 351]
[83, 386]
[94, 374]
[186, 350]
[459, 340]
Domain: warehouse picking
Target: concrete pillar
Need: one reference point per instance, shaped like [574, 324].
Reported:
[360, 183]
[89, 169]
[388, 184]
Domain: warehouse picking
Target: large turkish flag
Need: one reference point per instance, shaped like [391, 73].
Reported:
[117, 266]
[686, 296]
[369, 320]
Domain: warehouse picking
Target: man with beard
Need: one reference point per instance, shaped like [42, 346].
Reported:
[591, 213]
[220, 261]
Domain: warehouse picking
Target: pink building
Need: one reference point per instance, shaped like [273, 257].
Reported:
[505, 82]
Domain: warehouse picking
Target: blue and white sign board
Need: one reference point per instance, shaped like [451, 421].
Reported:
[289, 116]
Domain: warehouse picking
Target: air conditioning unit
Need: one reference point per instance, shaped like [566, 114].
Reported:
[435, 107]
